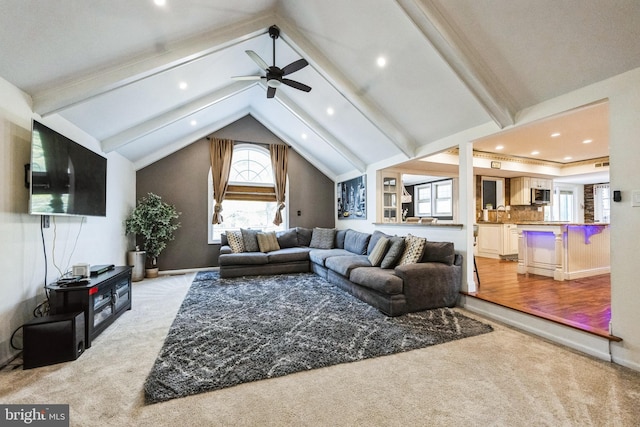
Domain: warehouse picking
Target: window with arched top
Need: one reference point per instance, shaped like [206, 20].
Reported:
[250, 201]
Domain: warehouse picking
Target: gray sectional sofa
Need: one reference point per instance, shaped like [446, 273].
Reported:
[433, 281]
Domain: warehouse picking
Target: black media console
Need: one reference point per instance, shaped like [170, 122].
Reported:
[103, 299]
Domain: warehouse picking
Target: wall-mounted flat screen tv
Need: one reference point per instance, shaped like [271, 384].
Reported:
[66, 178]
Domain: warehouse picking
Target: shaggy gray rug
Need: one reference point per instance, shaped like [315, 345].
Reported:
[232, 331]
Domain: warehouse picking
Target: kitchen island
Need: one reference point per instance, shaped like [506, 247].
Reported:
[564, 251]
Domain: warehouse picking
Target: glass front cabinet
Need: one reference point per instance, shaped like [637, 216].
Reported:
[389, 195]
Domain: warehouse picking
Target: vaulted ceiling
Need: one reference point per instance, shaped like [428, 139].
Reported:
[114, 68]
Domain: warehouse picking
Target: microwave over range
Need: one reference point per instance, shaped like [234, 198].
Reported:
[540, 196]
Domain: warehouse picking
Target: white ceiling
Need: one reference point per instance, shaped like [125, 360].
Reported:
[113, 68]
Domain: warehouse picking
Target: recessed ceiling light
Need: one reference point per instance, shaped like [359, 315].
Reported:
[568, 158]
[193, 123]
[381, 61]
[535, 153]
[499, 147]
[160, 2]
[304, 136]
[183, 85]
[587, 141]
[330, 111]
[555, 134]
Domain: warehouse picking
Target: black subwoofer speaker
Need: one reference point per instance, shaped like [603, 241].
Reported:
[53, 339]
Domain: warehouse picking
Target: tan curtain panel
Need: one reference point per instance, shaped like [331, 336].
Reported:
[279, 161]
[221, 151]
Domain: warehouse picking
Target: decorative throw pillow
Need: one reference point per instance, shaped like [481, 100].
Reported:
[304, 236]
[322, 238]
[268, 242]
[396, 248]
[287, 238]
[250, 240]
[377, 254]
[414, 247]
[235, 241]
[443, 252]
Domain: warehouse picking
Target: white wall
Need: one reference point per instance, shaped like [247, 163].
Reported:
[92, 240]
[623, 93]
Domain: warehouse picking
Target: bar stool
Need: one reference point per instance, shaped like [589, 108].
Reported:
[475, 242]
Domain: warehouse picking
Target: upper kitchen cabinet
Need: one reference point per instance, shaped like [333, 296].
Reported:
[521, 188]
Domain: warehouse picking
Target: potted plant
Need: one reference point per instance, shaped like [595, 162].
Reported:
[152, 219]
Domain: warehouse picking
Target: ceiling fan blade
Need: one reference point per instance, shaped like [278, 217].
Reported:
[257, 59]
[271, 92]
[247, 77]
[297, 85]
[294, 66]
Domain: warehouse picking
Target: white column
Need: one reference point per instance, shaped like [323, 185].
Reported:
[467, 213]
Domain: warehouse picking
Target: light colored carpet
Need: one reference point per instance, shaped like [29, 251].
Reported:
[504, 378]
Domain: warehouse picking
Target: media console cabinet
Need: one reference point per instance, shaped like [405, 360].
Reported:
[103, 299]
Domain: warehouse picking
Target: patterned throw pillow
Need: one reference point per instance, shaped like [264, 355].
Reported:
[396, 248]
[378, 252]
[414, 247]
[268, 242]
[235, 241]
[322, 238]
[250, 239]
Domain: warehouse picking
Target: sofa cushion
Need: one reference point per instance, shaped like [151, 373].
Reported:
[319, 256]
[223, 239]
[374, 239]
[244, 258]
[344, 264]
[340, 235]
[268, 242]
[250, 240]
[381, 280]
[413, 250]
[396, 248]
[443, 252]
[287, 238]
[379, 250]
[356, 242]
[322, 238]
[304, 236]
[289, 255]
[235, 241]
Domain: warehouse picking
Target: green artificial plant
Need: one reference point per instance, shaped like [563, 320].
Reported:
[152, 219]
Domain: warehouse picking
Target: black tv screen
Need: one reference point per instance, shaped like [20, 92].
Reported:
[66, 178]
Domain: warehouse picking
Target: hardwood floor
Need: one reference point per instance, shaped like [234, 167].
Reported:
[582, 303]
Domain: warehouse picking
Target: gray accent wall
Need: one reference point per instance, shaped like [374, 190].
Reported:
[181, 180]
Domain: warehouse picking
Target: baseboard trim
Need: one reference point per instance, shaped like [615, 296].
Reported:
[576, 339]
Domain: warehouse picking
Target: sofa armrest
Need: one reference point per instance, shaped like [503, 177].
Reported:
[431, 284]
[225, 249]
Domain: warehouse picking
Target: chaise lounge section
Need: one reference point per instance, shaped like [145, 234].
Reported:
[396, 275]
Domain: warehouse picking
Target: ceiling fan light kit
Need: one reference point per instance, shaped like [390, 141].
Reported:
[274, 74]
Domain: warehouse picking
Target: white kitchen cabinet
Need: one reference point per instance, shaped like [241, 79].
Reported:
[521, 188]
[541, 183]
[521, 191]
[496, 240]
[389, 207]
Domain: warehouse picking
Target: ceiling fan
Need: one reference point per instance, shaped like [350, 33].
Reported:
[275, 75]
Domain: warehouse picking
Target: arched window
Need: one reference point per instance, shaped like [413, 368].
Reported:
[250, 199]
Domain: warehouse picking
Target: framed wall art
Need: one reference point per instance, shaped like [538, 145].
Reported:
[352, 198]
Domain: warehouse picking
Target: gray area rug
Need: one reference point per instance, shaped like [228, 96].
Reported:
[232, 331]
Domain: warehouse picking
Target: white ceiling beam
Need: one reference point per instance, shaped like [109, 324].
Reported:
[299, 43]
[174, 55]
[462, 59]
[158, 122]
[319, 130]
[186, 140]
[293, 143]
